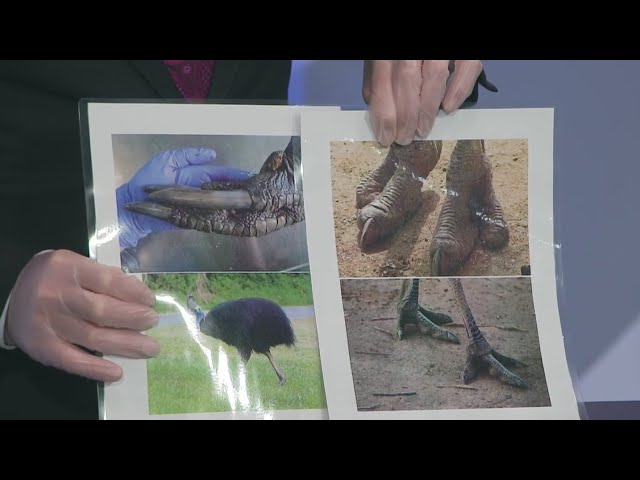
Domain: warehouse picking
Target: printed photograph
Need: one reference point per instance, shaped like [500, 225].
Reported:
[443, 343]
[223, 203]
[234, 343]
[430, 209]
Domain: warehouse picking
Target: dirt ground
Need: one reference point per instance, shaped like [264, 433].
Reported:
[407, 252]
[428, 371]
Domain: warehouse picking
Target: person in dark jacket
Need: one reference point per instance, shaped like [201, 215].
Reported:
[57, 305]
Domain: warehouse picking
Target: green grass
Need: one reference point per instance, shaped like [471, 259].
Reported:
[283, 288]
[180, 380]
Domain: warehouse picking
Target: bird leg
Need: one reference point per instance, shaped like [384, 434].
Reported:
[263, 203]
[389, 195]
[471, 211]
[480, 354]
[278, 370]
[410, 312]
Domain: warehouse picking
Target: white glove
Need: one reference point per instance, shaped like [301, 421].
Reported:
[62, 300]
[404, 96]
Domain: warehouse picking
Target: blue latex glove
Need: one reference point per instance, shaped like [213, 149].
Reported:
[188, 167]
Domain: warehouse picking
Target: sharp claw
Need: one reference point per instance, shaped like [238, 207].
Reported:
[197, 198]
[507, 361]
[436, 262]
[497, 369]
[435, 317]
[362, 240]
[436, 331]
[469, 373]
[155, 188]
[151, 209]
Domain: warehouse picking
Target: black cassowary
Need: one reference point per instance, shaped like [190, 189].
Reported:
[248, 324]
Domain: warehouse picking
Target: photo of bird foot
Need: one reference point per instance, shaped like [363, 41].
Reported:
[261, 204]
[471, 214]
[432, 208]
[496, 364]
[389, 195]
[480, 350]
[410, 312]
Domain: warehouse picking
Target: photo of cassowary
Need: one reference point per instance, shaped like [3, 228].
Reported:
[443, 343]
[214, 203]
[433, 208]
[234, 342]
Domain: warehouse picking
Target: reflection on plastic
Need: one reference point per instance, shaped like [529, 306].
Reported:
[101, 237]
[221, 379]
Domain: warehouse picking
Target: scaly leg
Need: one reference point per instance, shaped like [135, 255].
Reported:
[470, 213]
[480, 354]
[410, 312]
[277, 369]
[391, 194]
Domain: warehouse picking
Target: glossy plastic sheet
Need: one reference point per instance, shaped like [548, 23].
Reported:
[402, 282]
[437, 266]
[204, 203]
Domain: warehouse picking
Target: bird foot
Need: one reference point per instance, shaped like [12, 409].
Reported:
[428, 322]
[497, 365]
[389, 195]
[471, 212]
[259, 205]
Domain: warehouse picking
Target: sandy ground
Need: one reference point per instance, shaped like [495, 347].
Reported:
[431, 368]
[407, 252]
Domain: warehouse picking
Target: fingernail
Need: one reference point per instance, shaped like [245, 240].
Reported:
[376, 125]
[385, 138]
[110, 373]
[404, 141]
[149, 298]
[152, 318]
[424, 127]
[150, 348]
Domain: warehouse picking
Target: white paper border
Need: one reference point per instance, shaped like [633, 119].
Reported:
[128, 399]
[319, 129]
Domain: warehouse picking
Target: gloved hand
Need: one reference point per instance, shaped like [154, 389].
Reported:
[404, 96]
[188, 166]
[62, 300]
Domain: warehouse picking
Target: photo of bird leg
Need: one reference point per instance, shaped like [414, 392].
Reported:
[250, 325]
[391, 194]
[480, 354]
[411, 312]
[262, 204]
[471, 212]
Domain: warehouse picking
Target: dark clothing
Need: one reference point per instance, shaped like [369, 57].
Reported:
[42, 196]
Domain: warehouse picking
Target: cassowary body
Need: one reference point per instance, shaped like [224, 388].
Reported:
[250, 325]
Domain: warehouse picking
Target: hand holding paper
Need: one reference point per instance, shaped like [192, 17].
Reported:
[63, 300]
[187, 167]
[404, 96]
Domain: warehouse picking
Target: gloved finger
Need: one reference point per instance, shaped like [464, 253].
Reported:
[109, 341]
[184, 157]
[104, 311]
[434, 84]
[196, 175]
[407, 80]
[65, 356]
[461, 83]
[111, 281]
[382, 109]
